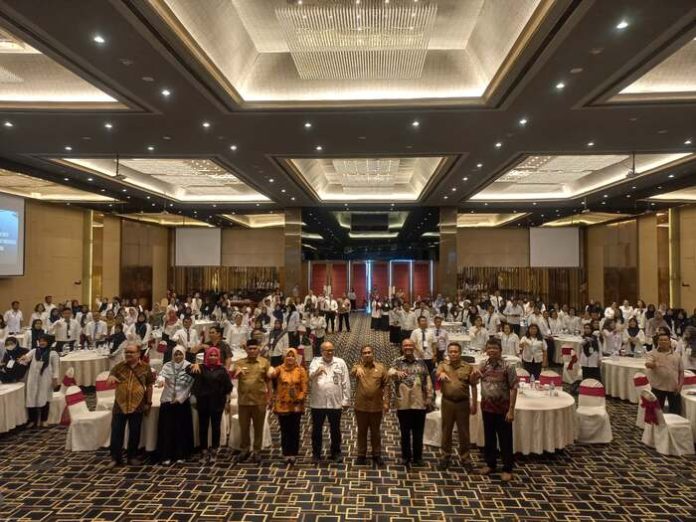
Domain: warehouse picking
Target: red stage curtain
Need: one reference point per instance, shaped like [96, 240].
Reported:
[339, 279]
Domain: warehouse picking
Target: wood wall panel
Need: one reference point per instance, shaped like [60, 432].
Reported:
[339, 278]
[359, 282]
[687, 254]
[190, 279]
[621, 262]
[380, 277]
[647, 258]
[253, 247]
[663, 258]
[492, 247]
[111, 257]
[401, 278]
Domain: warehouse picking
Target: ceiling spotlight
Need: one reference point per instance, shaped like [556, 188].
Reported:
[523, 121]
[415, 123]
[319, 148]
[102, 190]
[671, 176]
[688, 142]
[623, 24]
[606, 195]
[108, 125]
[90, 179]
[124, 190]
[282, 190]
[166, 93]
[151, 148]
[498, 145]
[99, 39]
[153, 204]
[8, 124]
[147, 197]
[479, 165]
[68, 148]
[560, 86]
[271, 180]
[66, 179]
[308, 125]
[454, 189]
[465, 178]
[293, 198]
[628, 195]
[445, 197]
[534, 203]
[590, 143]
[233, 147]
[206, 124]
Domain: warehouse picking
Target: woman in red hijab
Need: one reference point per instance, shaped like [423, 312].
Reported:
[211, 388]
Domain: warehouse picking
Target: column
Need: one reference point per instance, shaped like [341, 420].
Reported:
[674, 258]
[447, 267]
[293, 250]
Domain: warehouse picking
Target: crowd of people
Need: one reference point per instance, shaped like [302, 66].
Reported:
[289, 364]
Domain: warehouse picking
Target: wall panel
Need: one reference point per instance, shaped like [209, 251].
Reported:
[421, 279]
[492, 247]
[647, 258]
[319, 277]
[687, 244]
[359, 282]
[253, 247]
[339, 278]
[380, 277]
[401, 278]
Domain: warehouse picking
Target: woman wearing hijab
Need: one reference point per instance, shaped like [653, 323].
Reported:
[54, 316]
[633, 336]
[175, 428]
[140, 332]
[36, 332]
[10, 368]
[212, 388]
[117, 343]
[590, 354]
[42, 377]
[291, 384]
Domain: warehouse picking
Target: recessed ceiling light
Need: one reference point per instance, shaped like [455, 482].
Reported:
[465, 178]
[124, 190]
[90, 179]
[102, 190]
[604, 202]
[606, 195]
[68, 148]
[151, 148]
[66, 179]
[633, 187]
[628, 195]
[560, 86]
[454, 189]
[523, 121]
[8, 124]
[485, 204]
[659, 187]
[99, 39]
[479, 165]
[576, 70]
[147, 197]
[445, 197]
[282, 190]
[206, 124]
[108, 125]
[166, 93]
[293, 198]
[498, 145]
[623, 24]
[671, 176]
[590, 143]
[319, 148]
[153, 204]
[415, 123]
[534, 203]
[308, 125]
[688, 142]
[233, 147]
[271, 180]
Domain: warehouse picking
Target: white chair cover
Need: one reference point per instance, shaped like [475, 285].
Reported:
[689, 380]
[548, 377]
[669, 434]
[522, 374]
[88, 430]
[593, 425]
[236, 434]
[572, 372]
[432, 432]
[57, 404]
[641, 383]
[106, 394]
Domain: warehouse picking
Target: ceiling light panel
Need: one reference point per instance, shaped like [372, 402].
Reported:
[487, 220]
[566, 177]
[275, 219]
[36, 188]
[589, 218]
[30, 79]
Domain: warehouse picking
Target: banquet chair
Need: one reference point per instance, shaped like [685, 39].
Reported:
[57, 404]
[593, 425]
[236, 434]
[550, 377]
[522, 375]
[88, 430]
[689, 380]
[106, 393]
[432, 431]
[640, 383]
[571, 367]
[668, 433]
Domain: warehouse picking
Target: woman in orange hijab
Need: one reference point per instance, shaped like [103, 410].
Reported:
[289, 402]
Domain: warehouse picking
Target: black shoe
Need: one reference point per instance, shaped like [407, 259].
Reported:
[418, 462]
[115, 463]
[135, 461]
[243, 456]
[406, 463]
[255, 458]
[316, 460]
[444, 465]
[378, 462]
[336, 459]
[360, 461]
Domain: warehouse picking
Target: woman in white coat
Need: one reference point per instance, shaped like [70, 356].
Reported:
[42, 377]
[509, 341]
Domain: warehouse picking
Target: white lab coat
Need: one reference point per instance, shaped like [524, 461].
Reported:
[510, 343]
[96, 332]
[40, 385]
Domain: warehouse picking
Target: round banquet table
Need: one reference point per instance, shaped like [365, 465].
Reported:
[87, 363]
[565, 340]
[481, 358]
[617, 375]
[542, 423]
[13, 411]
[201, 326]
[689, 409]
[23, 338]
[461, 338]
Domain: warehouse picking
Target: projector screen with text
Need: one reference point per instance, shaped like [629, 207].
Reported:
[554, 246]
[11, 236]
[198, 246]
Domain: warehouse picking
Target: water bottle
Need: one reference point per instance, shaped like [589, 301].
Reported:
[531, 382]
[552, 390]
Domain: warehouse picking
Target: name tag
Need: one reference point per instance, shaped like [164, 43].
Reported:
[10, 364]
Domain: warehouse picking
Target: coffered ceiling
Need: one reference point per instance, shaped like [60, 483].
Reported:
[530, 108]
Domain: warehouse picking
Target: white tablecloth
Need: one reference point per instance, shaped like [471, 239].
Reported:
[13, 410]
[87, 363]
[617, 375]
[689, 409]
[566, 340]
[462, 338]
[23, 338]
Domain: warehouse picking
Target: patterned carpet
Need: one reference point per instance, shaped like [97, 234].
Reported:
[621, 481]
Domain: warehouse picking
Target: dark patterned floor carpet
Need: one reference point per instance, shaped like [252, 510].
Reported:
[621, 481]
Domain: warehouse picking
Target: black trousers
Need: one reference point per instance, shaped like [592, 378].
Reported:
[206, 416]
[591, 373]
[673, 397]
[118, 430]
[60, 344]
[353, 305]
[344, 318]
[497, 433]
[290, 433]
[534, 368]
[550, 350]
[412, 425]
[318, 417]
[316, 349]
[293, 339]
[41, 413]
[331, 321]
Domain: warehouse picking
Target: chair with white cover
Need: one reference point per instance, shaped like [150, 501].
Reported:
[522, 374]
[668, 433]
[593, 425]
[432, 431]
[689, 380]
[550, 377]
[640, 383]
[88, 430]
[106, 393]
[236, 434]
[571, 367]
[57, 404]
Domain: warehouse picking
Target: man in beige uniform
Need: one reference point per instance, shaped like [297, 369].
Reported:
[456, 385]
[371, 399]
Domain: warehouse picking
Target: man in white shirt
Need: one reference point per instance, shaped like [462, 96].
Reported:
[48, 304]
[238, 333]
[13, 318]
[96, 330]
[497, 301]
[424, 340]
[626, 311]
[188, 337]
[332, 306]
[310, 300]
[491, 320]
[329, 394]
[441, 338]
[513, 313]
[423, 311]
[66, 330]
